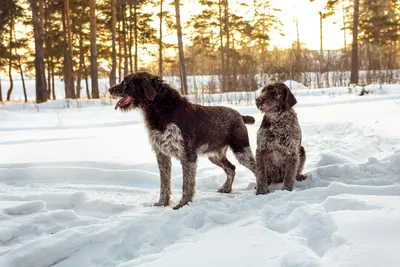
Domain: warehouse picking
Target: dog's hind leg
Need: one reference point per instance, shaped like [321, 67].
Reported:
[302, 160]
[246, 158]
[221, 161]
[240, 146]
[164, 166]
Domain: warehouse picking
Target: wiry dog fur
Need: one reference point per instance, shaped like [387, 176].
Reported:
[180, 129]
[280, 156]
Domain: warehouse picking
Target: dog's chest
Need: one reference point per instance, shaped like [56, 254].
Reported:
[283, 134]
[168, 142]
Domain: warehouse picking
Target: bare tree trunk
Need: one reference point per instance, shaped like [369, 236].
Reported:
[119, 51]
[136, 36]
[113, 78]
[321, 62]
[227, 46]
[221, 35]
[93, 51]
[344, 36]
[297, 33]
[81, 62]
[1, 91]
[53, 90]
[297, 67]
[10, 62]
[160, 44]
[68, 71]
[354, 50]
[22, 78]
[20, 70]
[49, 63]
[126, 65]
[38, 18]
[180, 47]
[87, 82]
[130, 39]
[48, 35]
[234, 62]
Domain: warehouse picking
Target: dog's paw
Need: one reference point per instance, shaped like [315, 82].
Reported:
[301, 177]
[182, 202]
[161, 204]
[177, 207]
[261, 191]
[225, 189]
[287, 188]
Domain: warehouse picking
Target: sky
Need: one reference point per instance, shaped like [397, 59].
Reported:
[308, 18]
[309, 26]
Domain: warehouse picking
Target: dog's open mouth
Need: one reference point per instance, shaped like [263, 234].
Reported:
[126, 100]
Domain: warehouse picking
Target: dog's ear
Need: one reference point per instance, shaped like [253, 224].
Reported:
[290, 100]
[148, 89]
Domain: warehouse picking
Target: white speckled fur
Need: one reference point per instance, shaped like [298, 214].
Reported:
[168, 142]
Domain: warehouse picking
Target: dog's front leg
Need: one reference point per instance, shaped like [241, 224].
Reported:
[261, 178]
[189, 180]
[291, 166]
[164, 166]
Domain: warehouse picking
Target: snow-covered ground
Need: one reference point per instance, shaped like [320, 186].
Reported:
[77, 185]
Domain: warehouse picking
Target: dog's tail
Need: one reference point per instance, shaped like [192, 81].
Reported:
[248, 119]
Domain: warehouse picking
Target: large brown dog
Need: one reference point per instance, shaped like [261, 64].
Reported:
[180, 129]
[280, 156]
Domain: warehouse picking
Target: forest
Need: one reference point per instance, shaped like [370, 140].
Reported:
[80, 42]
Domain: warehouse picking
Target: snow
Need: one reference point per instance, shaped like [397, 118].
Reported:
[78, 180]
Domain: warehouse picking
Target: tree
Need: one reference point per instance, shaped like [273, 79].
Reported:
[18, 44]
[93, 50]
[1, 93]
[81, 19]
[38, 20]
[330, 7]
[227, 33]
[264, 22]
[113, 75]
[10, 58]
[124, 39]
[11, 12]
[221, 33]
[160, 42]
[182, 66]
[68, 64]
[354, 49]
[136, 35]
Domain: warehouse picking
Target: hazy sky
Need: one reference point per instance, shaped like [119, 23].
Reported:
[308, 17]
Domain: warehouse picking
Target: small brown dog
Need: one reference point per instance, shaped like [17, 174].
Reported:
[280, 156]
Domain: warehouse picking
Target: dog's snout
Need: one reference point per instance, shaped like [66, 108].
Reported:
[113, 90]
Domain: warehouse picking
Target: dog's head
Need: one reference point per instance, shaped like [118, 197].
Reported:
[136, 90]
[275, 97]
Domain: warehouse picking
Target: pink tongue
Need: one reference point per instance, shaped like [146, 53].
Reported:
[123, 102]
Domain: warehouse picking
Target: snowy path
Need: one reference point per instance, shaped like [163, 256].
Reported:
[76, 189]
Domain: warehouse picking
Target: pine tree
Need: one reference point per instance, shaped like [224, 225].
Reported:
[38, 24]
[93, 51]
[113, 75]
[182, 65]
[68, 63]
